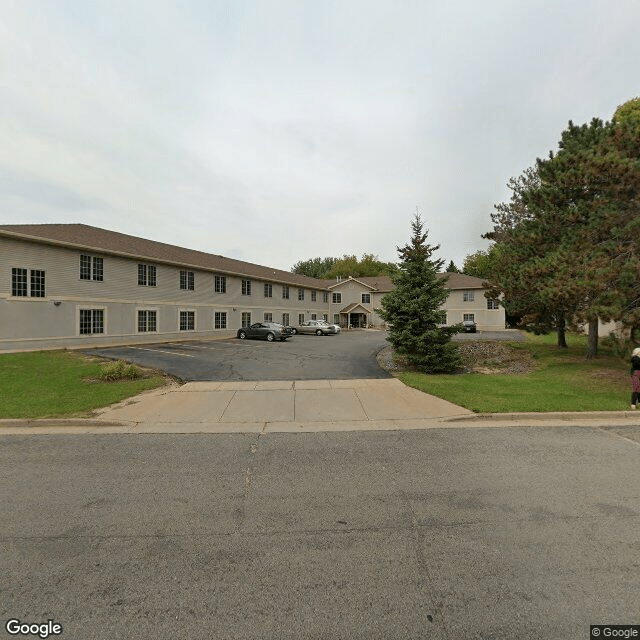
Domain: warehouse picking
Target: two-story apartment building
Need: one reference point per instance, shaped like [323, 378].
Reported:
[353, 301]
[69, 285]
[73, 285]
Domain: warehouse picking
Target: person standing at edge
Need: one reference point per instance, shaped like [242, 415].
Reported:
[635, 377]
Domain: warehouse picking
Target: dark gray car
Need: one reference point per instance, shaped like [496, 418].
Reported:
[265, 331]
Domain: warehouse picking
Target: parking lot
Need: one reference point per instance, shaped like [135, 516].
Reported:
[345, 356]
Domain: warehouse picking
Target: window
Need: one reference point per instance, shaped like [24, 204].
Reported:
[220, 319]
[91, 268]
[220, 284]
[147, 275]
[85, 267]
[325, 296]
[336, 318]
[468, 316]
[246, 287]
[366, 298]
[492, 304]
[314, 316]
[98, 269]
[300, 318]
[187, 321]
[268, 291]
[37, 283]
[325, 317]
[268, 317]
[314, 296]
[187, 280]
[246, 319]
[18, 282]
[285, 291]
[468, 296]
[300, 294]
[285, 319]
[337, 297]
[91, 321]
[22, 285]
[147, 321]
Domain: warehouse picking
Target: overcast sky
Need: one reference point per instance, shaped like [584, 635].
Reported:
[274, 131]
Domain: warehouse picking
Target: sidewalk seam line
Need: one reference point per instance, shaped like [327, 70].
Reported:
[355, 390]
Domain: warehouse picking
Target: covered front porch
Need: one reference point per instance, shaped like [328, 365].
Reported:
[355, 316]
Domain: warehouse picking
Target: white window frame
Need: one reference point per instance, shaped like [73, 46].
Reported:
[147, 311]
[245, 319]
[268, 290]
[94, 268]
[93, 308]
[220, 318]
[337, 297]
[245, 287]
[19, 282]
[188, 279]
[468, 316]
[187, 312]
[468, 296]
[493, 304]
[147, 275]
[219, 283]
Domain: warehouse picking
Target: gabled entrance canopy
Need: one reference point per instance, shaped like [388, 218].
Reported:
[355, 307]
[356, 315]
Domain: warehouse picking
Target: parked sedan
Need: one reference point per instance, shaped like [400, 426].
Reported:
[319, 327]
[469, 326]
[265, 331]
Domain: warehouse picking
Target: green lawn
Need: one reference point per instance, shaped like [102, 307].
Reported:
[562, 381]
[46, 384]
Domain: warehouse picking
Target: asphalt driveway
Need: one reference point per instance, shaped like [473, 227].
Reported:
[349, 355]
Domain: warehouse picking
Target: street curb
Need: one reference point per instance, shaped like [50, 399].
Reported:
[567, 416]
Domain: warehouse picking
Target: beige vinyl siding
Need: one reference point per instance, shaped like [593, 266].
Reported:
[37, 323]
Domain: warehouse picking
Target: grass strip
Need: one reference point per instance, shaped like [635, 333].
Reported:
[563, 380]
[48, 384]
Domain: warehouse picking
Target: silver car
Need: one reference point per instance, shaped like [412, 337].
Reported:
[318, 327]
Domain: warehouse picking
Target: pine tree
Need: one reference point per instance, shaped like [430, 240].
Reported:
[414, 308]
[451, 268]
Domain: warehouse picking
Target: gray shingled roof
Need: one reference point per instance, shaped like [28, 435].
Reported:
[384, 283]
[94, 239]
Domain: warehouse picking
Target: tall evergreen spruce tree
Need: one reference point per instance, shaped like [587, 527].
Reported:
[413, 308]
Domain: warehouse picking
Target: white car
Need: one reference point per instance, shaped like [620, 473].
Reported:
[318, 327]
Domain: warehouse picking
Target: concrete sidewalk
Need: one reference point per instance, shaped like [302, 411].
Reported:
[297, 406]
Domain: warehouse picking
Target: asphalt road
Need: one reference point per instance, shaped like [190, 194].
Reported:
[349, 355]
[528, 533]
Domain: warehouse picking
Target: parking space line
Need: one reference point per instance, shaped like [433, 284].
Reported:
[171, 353]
